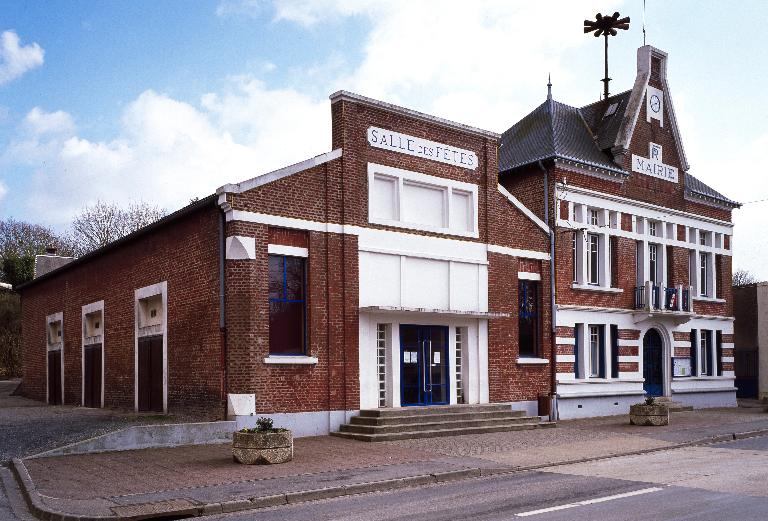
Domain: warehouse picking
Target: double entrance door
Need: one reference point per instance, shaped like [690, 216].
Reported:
[423, 365]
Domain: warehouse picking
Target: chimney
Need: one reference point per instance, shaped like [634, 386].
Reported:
[50, 250]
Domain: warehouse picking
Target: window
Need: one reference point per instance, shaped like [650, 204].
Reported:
[703, 238]
[575, 261]
[418, 201]
[596, 352]
[703, 274]
[528, 318]
[461, 334]
[706, 352]
[653, 266]
[719, 352]
[287, 305]
[594, 218]
[652, 228]
[593, 256]
[381, 362]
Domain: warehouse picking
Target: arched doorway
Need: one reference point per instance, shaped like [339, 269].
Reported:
[653, 369]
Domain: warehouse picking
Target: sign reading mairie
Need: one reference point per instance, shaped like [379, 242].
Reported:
[653, 166]
[414, 146]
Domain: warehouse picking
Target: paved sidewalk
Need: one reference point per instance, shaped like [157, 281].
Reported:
[199, 480]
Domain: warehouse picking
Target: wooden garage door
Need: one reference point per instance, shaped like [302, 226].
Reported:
[54, 377]
[150, 372]
[92, 376]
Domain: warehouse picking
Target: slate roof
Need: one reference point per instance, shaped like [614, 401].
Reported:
[695, 187]
[552, 131]
[584, 135]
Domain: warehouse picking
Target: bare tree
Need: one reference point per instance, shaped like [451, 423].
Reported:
[743, 277]
[98, 225]
[20, 241]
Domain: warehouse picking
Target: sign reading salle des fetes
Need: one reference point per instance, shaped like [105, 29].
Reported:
[653, 166]
[414, 146]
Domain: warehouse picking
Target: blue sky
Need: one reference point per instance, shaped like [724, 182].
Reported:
[166, 100]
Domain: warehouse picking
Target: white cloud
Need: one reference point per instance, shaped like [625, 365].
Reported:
[38, 122]
[3, 190]
[167, 151]
[17, 59]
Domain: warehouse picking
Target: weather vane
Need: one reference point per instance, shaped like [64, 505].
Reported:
[606, 26]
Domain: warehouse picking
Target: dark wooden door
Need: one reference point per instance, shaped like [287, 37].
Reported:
[92, 376]
[653, 372]
[54, 377]
[150, 373]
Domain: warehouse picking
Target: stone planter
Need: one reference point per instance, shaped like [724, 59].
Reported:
[650, 415]
[262, 448]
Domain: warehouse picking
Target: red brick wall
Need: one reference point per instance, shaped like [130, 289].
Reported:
[184, 253]
[509, 381]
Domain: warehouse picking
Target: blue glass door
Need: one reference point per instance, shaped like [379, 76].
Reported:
[423, 365]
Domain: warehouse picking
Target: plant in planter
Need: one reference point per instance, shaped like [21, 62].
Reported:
[649, 413]
[263, 445]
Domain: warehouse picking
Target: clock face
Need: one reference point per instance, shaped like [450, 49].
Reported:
[655, 103]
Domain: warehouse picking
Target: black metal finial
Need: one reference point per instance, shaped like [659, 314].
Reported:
[606, 26]
[549, 86]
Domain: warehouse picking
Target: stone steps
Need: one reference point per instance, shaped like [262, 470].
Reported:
[409, 435]
[391, 424]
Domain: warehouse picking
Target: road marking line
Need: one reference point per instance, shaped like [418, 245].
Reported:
[590, 501]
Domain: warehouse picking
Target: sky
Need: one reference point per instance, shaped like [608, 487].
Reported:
[164, 101]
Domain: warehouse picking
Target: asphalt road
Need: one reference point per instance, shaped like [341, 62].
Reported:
[725, 481]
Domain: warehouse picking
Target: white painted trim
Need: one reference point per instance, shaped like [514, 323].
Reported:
[87, 310]
[629, 358]
[710, 299]
[428, 180]
[290, 360]
[343, 95]
[565, 340]
[531, 361]
[290, 251]
[566, 359]
[514, 252]
[727, 359]
[239, 247]
[161, 288]
[626, 205]
[593, 287]
[374, 237]
[57, 346]
[525, 275]
[280, 173]
[526, 211]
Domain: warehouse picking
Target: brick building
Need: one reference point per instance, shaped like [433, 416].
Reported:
[393, 270]
[643, 249]
[411, 265]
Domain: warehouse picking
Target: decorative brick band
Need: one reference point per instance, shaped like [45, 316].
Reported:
[565, 367]
[629, 334]
[628, 350]
[564, 349]
[628, 367]
[681, 335]
[565, 332]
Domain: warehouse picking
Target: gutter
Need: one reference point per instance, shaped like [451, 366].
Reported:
[553, 313]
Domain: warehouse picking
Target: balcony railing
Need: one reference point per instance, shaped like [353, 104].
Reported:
[652, 297]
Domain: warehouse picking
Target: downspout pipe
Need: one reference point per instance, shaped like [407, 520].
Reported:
[554, 414]
[222, 304]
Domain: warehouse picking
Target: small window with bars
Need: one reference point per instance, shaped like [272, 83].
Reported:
[381, 362]
[461, 335]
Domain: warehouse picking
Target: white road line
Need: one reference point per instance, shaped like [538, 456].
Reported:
[589, 502]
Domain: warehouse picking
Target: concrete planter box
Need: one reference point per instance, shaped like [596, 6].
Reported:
[648, 415]
[262, 448]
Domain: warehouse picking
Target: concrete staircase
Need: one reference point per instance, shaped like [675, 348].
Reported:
[430, 422]
[672, 405]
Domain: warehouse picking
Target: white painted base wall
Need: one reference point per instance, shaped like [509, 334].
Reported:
[316, 423]
[591, 406]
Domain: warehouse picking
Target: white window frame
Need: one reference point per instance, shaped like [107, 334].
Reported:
[596, 358]
[593, 216]
[703, 266]
[447, 185]
[653, 263]
[87, 310]
[595, 260]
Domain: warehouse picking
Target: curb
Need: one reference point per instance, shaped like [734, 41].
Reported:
[41, 511]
